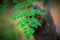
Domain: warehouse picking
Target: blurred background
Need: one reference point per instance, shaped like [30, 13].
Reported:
[52, 7]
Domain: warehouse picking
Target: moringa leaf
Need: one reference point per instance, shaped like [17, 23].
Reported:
[27, 23]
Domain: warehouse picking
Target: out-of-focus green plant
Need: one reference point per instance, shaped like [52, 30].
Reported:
[7, 31]
[3, 9]
[15, 1]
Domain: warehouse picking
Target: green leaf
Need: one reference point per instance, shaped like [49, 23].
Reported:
[34, 22]
[29, 2]
[40, 12]
[19, 5]
[23, 4]
[19, 14]
[32, 12]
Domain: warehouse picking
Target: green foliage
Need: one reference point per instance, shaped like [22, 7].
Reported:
[28, 33]
[23, 4]
[34, 22]
[31, 12]
[27, 23]
[29, 2]
[15, 1]
[40, 12]
[7, 31]
[19, 5]
[23, 23]
[19, 14]
[3, 9]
